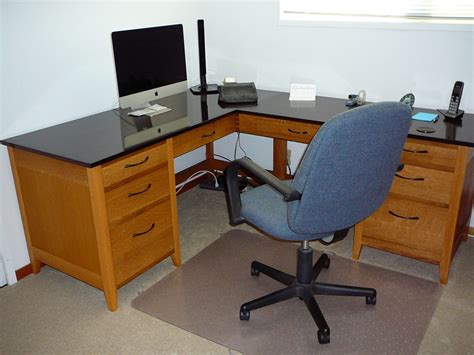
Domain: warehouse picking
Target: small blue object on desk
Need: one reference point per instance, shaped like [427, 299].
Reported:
[425, 116]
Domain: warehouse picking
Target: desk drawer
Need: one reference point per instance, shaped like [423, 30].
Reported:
[421, 238]
[277, 128]
[424, 185]
[198, 137]
[132, 197]
[429, 155]
[142, 241]
[133, 164]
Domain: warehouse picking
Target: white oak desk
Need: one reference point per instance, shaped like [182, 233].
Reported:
[98, 202]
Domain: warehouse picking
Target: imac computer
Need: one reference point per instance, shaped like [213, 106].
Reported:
[150, 64]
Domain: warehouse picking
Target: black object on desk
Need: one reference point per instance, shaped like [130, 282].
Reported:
[356, 99]
[408, 99]
[238, 93]
[453, 110]
[203, 88]
[426, 129]
[450, 115]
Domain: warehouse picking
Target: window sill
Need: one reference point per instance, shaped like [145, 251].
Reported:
[301, 20]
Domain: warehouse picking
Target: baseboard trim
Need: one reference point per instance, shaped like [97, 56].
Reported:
[23, 272]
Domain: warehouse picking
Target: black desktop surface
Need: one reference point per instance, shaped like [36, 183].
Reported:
[102, 137]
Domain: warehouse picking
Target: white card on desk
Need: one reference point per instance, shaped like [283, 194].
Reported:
[152, 110]
[302, 92]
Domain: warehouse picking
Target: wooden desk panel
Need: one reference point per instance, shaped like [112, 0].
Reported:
[139, 243]
[136, 195]
[431, 155]
[420, 238]
[57, 213]
[203, 135]
[121, 169]
[424, 185]
[277, 128]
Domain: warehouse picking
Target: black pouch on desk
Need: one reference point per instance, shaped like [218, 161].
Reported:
[238, 93]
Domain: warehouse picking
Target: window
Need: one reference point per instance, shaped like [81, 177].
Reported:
[385, 11]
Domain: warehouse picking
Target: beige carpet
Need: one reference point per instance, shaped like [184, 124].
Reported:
[52, 313]
[204, 297]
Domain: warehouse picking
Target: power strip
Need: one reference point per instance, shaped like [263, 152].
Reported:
[210, 184]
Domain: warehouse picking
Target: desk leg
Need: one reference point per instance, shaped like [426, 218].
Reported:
[210, 154]
[99, 211]
[357, 246]
[280, 147]
[35, 264]
[176, 256]
[111, 298]
[461, 186]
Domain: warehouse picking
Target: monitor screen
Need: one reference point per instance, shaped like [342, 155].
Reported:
[150, 63]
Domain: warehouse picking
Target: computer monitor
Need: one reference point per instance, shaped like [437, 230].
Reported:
[150, 63]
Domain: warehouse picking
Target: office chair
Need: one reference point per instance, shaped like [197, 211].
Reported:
[344, 176]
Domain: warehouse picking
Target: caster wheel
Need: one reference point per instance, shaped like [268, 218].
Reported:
[323, 336]
[254, 272]
[244, 315]
[327, 263]
[371, 300]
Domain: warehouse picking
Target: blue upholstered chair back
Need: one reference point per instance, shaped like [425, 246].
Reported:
[348, 168]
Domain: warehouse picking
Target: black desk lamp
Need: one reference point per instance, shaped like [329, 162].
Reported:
[203, 88]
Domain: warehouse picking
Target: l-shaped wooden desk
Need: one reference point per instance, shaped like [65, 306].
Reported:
[98, 202]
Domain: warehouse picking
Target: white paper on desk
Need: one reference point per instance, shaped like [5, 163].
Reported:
[150, 111]
[302, 92]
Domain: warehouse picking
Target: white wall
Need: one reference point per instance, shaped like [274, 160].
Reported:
[57, 65]
[245, 40]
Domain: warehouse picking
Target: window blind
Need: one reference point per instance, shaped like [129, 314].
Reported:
[451, 11]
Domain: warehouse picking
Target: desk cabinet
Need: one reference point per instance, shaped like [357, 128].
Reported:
[102, 225]
[427, 212]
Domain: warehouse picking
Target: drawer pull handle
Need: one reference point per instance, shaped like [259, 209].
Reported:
[410, 178]
[135, 164]
[207, 135]
[297, 132]
[424, 151]
[403, 217]
[145, 232]
[131, 194]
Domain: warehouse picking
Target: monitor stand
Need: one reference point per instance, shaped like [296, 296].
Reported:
[204, 89]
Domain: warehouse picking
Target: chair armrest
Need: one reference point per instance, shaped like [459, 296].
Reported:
[234, 203]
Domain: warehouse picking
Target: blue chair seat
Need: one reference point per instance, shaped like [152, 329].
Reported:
[265, 208]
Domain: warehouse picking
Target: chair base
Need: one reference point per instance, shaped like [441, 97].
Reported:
[305, 287]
